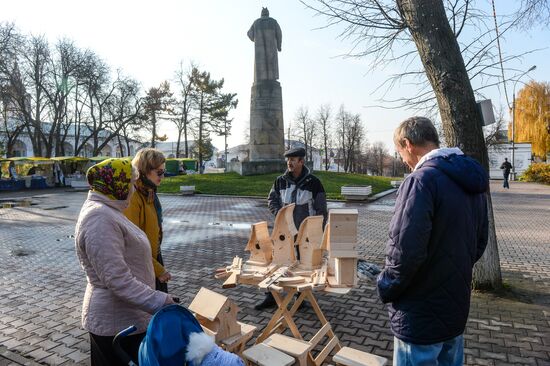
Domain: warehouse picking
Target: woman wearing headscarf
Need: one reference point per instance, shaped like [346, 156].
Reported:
[120, 290]
[145, 210]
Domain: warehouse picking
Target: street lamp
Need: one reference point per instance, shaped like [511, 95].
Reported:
[514, 121]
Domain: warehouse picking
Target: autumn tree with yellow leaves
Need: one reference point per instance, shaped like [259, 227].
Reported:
[532, 122]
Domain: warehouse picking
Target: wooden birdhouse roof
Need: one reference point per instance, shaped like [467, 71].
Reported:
[208, 304]
[312, 228]
[258, 233]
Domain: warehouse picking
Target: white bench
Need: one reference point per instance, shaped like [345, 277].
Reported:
[351, 357]
[396, 183]
[187, 190]
[359, 193]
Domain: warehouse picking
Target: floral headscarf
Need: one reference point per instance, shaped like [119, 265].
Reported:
[111, 177]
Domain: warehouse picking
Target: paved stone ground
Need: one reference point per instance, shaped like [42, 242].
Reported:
[41, 283]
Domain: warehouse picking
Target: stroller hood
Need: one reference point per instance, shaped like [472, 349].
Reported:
[168, 336]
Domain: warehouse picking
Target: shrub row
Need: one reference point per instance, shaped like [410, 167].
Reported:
[537, 172]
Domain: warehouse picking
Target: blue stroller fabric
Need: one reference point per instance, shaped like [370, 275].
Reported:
[175, 338]
[167, 338]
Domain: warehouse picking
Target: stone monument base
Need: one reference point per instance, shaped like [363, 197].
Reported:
[257, 167]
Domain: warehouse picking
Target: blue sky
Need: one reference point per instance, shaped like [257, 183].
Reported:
[147, 40]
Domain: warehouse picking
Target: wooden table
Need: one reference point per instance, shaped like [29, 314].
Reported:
[283, 318]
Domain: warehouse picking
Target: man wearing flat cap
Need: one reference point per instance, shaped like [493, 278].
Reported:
[297, 185]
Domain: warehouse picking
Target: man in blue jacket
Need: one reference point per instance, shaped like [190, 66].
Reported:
[437, 233]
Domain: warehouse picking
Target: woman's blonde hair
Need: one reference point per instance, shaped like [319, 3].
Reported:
[148, 159]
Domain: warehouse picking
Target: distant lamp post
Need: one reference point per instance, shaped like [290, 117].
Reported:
[514, 121]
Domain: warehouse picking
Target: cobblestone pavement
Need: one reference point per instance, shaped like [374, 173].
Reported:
[41, 283]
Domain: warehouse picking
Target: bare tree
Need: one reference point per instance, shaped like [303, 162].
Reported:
[532, 12]
[10, 84]
[494, 135]
[324, 122]
[305, 130]
[30, 98]
[183, 106]
[379, 28]
[377, 154]
[126, 109]
[349, 134]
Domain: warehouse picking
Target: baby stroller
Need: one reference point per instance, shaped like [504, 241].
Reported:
[174, 338]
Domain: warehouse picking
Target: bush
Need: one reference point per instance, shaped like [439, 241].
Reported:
[537, 172]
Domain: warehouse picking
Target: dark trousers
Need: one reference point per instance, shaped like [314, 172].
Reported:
[505, 184]
[103, 354]
[160, 286]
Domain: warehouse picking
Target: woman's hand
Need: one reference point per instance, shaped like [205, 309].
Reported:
[165, 277]
[169, 300]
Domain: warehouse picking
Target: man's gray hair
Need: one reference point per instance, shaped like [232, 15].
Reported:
[418, 130]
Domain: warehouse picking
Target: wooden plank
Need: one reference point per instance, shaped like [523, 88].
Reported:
[320, 334]
[304, 286]
[342, 245]
[320, 275]
[289, 345]
[337, 290]
[345, 271]
[246, 332]
[351, 357]
[344, 254]
[231, 281]
[283, 281]
[264, 355]
[271, 279]
[326, 351]
[343, 211]
[333, 283]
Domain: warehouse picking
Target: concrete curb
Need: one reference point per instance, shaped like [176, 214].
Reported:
[382, 194]
[368, 200]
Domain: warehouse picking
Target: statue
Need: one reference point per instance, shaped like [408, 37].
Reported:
[266, 35]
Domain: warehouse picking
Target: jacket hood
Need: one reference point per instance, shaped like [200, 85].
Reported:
[463, 170]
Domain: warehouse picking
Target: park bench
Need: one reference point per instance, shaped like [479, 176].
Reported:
[396, 183]
[187, 190]
[356, 193]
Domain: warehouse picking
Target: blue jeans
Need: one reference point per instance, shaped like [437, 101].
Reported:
[448, 353]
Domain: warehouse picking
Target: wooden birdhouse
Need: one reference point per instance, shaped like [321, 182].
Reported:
[341, 241]
[217, 313]
[283, 236]
[310, 240]
[259, 243]
[343, 229]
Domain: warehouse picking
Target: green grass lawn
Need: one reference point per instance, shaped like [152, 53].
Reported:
[259, 185]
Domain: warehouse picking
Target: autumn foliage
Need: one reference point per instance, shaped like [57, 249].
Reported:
[537, 172]
[533, 117]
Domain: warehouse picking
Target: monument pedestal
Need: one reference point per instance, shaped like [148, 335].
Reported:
[257, 167]
[266, 122]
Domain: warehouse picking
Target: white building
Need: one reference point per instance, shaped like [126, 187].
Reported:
[23, 146]
[520, 160]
